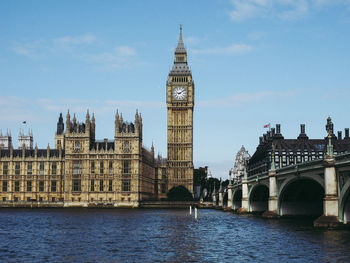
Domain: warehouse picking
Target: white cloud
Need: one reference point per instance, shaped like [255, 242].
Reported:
[120, 57]
[75, 40]
[229, 50]
[279, 9]
[33, 110]
[44, 47]
[256, 35]
[191, 40]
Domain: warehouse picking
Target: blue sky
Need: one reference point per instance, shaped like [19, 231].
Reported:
[253, 62]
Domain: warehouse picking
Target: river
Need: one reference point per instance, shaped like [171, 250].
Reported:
[163, 235]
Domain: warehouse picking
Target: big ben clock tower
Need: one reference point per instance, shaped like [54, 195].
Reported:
[180, 103]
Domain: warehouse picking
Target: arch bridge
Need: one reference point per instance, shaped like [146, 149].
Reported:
[315, 188]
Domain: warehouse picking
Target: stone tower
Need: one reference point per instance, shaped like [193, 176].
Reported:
[180, 104]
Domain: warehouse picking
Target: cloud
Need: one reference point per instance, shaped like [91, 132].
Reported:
[279, 9]
[34, 109]
[256, 35]
[44, 47]
[191, 40]
[76, 40]
[229, 50]
[120, 57]
[243, 99]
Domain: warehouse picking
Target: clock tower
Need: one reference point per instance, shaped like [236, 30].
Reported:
[180, 103]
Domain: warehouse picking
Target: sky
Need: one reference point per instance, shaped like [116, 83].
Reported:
[253, 62]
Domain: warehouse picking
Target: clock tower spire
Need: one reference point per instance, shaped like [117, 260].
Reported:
[180, 105]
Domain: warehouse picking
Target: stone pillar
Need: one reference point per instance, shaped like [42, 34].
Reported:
[330, 217]
[9, 188]
[245, 199]
[229, 197]
[221, 203]
[22, 188]
[272, 211]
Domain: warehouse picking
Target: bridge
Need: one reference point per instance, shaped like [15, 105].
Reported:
[318, 187]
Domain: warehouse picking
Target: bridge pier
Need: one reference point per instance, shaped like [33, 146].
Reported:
[272, 211]
[330, 217]
[229, 197]
[245, 199]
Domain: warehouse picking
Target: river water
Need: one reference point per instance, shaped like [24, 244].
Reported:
[152, 235]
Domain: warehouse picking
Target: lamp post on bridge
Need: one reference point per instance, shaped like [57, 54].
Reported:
[330, 217]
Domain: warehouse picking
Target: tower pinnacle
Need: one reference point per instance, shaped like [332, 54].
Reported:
[180, 49]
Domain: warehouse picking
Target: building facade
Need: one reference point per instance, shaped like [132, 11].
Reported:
[288, 152]
[83, 171]
[236, 173]
[180, 105]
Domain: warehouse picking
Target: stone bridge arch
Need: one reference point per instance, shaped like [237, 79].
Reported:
[237, 199]
[301, 195]
[259, 197]
[344, 201]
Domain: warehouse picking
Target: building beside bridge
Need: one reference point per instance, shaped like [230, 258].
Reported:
[299, 176]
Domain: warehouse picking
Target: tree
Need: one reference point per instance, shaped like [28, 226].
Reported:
[179, 193]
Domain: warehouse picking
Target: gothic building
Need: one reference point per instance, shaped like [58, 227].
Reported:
[84, 171]
[293, 151]
[180, 104]
[236, 173]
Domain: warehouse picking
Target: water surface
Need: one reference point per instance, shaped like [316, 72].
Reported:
[164, 235]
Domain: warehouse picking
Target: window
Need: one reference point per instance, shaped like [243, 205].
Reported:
[125, 185]
[29, 169]
[4, 199]
[53, 186]
[5, 168]
[29, 186]
[53, 199]
[92, 167]
[163, 173]
[298, 158]
[163, 188]
[291, 159]
[17, 168]
[110, 167]
[16, 186]
[76, 185]
[101, 167]
[4, 186]
[77, 146]
[42, 165]
[92, 185]
[126, 167]
[101, 185]
[28, 199]
[41, 186]
[54, 168]
[110, 186]
[76, 167]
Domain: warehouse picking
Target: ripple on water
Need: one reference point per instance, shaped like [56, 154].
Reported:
[83, 235]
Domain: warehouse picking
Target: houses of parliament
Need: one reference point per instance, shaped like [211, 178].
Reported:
[83, 171]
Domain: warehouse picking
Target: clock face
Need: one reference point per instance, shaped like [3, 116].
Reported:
[179, 93]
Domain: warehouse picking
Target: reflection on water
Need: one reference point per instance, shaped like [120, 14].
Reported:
[91, 235]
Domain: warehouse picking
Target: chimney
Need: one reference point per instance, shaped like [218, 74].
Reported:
[278, 128]
[260, 140]
[339, 135]
[272, 132]
[346, 133]
[302, 128]
[265, 137]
